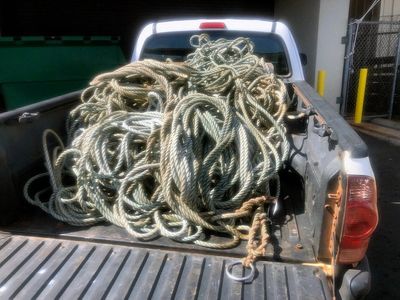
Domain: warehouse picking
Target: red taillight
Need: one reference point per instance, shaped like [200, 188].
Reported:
[212, 25]
[360, 219]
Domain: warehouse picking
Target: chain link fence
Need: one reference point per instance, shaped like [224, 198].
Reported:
[375, 46]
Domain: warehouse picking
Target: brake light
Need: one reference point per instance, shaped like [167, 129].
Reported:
[360, 220]
[212, 25]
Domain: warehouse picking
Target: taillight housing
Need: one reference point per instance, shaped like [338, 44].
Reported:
[360, 218]
[212, 25]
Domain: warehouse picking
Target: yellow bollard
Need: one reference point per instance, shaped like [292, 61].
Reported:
[321, 82]
[362, 83]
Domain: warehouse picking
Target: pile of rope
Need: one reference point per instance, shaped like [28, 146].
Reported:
[178, 150]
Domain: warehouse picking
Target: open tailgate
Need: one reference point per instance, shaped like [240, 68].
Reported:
[47, 268]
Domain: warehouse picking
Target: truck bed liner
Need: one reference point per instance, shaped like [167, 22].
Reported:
[35, 267]
[290, 228]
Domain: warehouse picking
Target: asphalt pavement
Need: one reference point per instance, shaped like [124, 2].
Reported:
[384, 250]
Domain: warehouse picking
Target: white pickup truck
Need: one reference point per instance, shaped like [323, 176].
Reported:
[319, 236]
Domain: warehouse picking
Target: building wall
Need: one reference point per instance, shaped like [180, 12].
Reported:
[124, 18]
[302, 18]
[386, 10]
[318, 27]
[390, 10]
[359, 7]
[332, 26]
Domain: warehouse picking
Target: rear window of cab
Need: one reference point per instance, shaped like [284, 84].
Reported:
[176, 46]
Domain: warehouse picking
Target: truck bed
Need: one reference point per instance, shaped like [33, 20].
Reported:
[289, 229]
[37, 267]
[40, 256]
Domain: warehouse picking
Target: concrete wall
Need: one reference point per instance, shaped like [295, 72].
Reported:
[302, 18]
[332, 26]
[318, 27]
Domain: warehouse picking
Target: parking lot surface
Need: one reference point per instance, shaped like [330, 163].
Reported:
[384, 249]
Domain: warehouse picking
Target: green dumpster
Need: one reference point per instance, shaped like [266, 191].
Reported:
[37, 68]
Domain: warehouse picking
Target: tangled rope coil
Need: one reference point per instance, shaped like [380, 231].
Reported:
[174, 149]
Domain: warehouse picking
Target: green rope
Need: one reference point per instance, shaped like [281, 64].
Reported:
[171, 149]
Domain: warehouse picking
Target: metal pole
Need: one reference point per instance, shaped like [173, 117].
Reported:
[321, 82]
[396, 66]
[362, 83]
[348, 57]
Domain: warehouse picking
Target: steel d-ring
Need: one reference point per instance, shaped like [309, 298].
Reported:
[228, 272]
